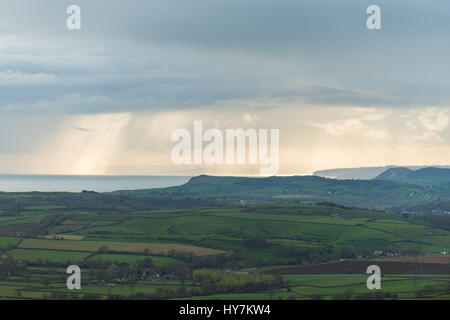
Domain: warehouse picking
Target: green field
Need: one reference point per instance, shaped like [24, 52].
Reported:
[226, 227]
[9, 241]
[52, 255]
[164, 248]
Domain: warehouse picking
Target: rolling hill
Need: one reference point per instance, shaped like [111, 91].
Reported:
[362, 193]
[429, 176]
[365, 173]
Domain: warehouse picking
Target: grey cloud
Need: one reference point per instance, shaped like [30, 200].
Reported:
[175, 54]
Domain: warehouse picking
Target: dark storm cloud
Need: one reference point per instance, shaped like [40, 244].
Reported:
[175, 54]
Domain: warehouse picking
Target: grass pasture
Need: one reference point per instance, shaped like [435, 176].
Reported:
[310, 225]
[51, 255]
[250, 239]
[330, 286]
[9, 241]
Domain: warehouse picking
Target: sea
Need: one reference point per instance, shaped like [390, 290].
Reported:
[78, 183]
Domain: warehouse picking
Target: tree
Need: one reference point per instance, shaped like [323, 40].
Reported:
[103, 249]
[347, 252]
[255, 242]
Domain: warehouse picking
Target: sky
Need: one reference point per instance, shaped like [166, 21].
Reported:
[105, 99]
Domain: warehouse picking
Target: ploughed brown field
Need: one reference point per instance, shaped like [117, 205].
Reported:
[444, 259]
[93, 246]
[360, 267]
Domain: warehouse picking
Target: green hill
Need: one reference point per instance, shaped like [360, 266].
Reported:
[362, 193]
[426, 177]
[365, 173]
